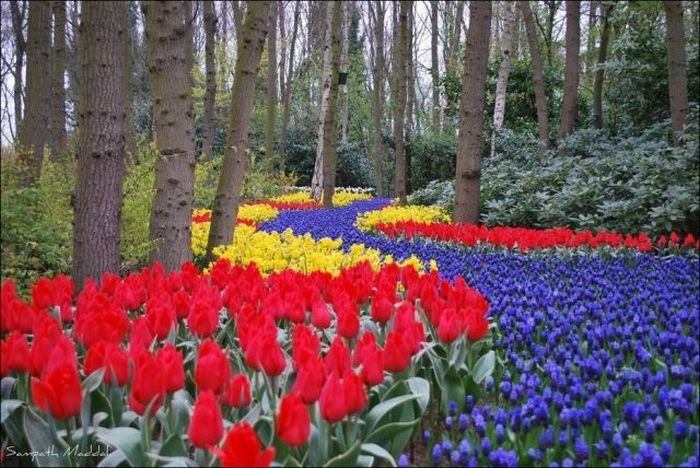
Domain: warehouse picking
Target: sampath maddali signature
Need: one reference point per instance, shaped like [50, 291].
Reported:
[51, 451]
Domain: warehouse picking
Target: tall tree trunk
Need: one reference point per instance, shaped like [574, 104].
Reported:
[271, 107]
[228, 193]
[283, 56]
[590, 39]
[237, 19]
[571, 71]
[330, 131]
[378, 96]
[171, 215]
[538, 76]
[20, 46]
[508, 12]
[434, 66]
[209, 127]
[317, 179]
[400, 104]
[286, 113]
[102, 126]
[455, 38]
[468, 172]
[677, 68]
[58, 71]
[597, 117]
[33, 134]
[343, 77]
[410, 76]
[132, 42]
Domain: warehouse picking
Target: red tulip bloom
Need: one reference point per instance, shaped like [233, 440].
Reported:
[113, 358]
[332, 401]
[477, 327]
[203, 319]
[213, 367]
[242, 448]
[173, 367]
[382, 307]
[141, 337]
[265, 354]
[58, 392]
[237, 392]
[320, 315]
[348, 324]
[355, 393]
[148, 385]
[293, 421]
[373, 366]
[450, 326]
[206, 424]
[338, 357]
[397, 356]
[160, 315]
[310, 379]
[18, 356]
[4, 359]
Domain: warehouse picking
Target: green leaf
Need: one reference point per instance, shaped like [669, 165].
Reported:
[379, 452]
[93, 381]
[365, 461]
[349, 458]
[44, 441]
[453, 390]
[174, 446]
[421, 388]
[377, 413]
[7, 407]
[388, 432]
[484, 367]
[115, 458]
[6, 386]
[128, 441]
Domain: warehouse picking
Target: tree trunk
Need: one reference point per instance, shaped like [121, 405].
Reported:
[330, 132]
[455, 39]
[317, 179]
[228, 193]
[209, 127]
[378, 97]
[271, 106]
[20, 46]
[283, 57]
[508, 12]
[102, 126]
[468, 172]
[343, 77]
[286, 113]
[400, 104]
[434, 66]
[677, 68]
[538, 76]
[33, 134]
[237, 19]
[410, 77]
[171, 215]
[571, 71]
[58, 71]
[590, 39]
[597, 111]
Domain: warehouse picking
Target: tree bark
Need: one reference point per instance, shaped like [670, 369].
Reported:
[434, 66]
[20, 46]
[171, 215]
[228, 193]
[400, 104]
[209, 127]
[538, 76]
[468, 171]
[58, 70]
[571, 69]
[597, 112]
[286, 113]
[455, 39]
[330, 131]
[508, 12]
[347, 6]
[33, 134]
[283, 57]
[410, 78]
[101, 137]
[378, 97]
[677, 68]
[317, 179]
[237, 19]
[271, 106]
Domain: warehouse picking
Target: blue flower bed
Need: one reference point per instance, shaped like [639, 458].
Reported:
[601, 360]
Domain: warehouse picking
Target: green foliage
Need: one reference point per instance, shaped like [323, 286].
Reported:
[601, 182]
[432, 157]
[36, 221]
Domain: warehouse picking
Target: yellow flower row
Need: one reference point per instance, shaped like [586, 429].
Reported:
[340, 198]
[393, 214]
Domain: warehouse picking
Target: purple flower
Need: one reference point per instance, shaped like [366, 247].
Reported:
[403, 461]
[680, 430]
[437, 454]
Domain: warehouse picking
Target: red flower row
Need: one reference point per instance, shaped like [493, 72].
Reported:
[527, 239]
[287, 205]
[206, 218]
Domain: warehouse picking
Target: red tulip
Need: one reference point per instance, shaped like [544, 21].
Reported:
[477, 327]
[320, 315]
[203, 319]
[148, 385]
[397, 356]
[373, 366]
[160, 315]
[348, 324]
[332, 400]
[449, 327]
[4, 359]
[382, 307]
[293, 421]
[237, 392]
[242, 448]
[173, 367]
[58, 392]
[113, 358]
[18, 356]
[206, 424]
[355, 393]
[213, 367]
[265, 354]
[141, 337]
[338, 357]
[310, 379]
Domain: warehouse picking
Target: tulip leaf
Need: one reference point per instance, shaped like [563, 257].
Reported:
[115, 458]
[252, 416]
[6, 386]
[386, 433]
[348, 458]
[174, 446]
[7, 407]
[381, 410]
[44, 441]
[93, 381]
[421, 388]
[484, 367]
[13, 427]
[453, 390]
[379, 452]
[365, 461]
[128, 441]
